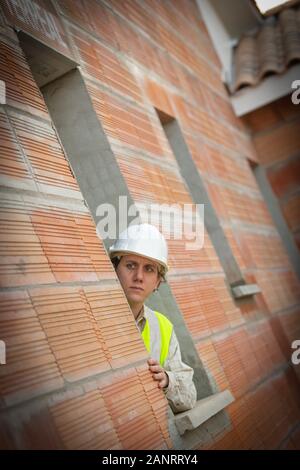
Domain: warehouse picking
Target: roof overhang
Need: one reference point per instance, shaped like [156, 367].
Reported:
[270, 89]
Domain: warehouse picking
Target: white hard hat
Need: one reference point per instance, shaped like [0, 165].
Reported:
[143, 240]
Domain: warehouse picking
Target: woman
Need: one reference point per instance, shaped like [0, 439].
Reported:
[140, 260]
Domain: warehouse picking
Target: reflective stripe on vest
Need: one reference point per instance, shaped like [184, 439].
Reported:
[157, 335]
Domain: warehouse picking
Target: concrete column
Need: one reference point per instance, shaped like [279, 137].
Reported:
[278, 219]
[190, 174]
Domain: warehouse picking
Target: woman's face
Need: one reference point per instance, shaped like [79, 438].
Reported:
[138, 276]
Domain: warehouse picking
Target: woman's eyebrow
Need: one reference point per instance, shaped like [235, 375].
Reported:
[151, 265]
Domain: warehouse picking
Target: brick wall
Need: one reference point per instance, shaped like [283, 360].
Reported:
[74, 377]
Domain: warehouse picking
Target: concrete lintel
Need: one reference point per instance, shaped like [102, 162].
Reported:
[202, 411]
[245, 290]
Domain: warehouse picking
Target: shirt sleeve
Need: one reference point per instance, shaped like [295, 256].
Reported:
[181, 392]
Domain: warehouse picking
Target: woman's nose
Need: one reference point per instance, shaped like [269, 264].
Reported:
[138, 273]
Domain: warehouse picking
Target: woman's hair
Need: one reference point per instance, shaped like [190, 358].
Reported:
[161, 269]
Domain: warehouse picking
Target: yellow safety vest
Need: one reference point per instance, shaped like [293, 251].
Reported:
[157, 335]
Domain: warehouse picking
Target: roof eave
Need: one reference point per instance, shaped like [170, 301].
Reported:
[270, 89]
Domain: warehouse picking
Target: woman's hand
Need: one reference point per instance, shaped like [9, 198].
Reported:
[158, 373]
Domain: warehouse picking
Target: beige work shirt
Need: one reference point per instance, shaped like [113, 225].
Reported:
[181, 392]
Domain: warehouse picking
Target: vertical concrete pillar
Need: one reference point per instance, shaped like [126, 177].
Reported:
[199, 194]
[278, 219]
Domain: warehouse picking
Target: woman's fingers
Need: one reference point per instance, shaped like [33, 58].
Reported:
[159, 376]
[155, 369]
[158, 373]
[152, 362]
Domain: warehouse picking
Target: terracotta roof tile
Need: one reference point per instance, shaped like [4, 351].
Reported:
[271, 50]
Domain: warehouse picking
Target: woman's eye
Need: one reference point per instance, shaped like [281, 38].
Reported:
[132, 266]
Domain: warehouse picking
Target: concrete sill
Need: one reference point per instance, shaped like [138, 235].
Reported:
[245, 290]
[202, 411]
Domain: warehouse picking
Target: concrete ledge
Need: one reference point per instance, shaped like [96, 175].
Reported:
[245, 290]
[202, 411]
